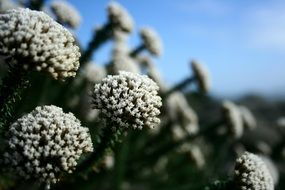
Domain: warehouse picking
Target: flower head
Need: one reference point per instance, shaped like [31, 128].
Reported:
[121, 61]
[35, 41]
[94, 73]
[121, 37]
[45, 143]
[147, 64]
[128, 99]
[155, 75]
[6, 5]
[263, 147]
[66, 13]
[151, 41]
[202, 75]
[120, 44]
[271, 168]
[233, 119]
[177, 132]
[281, 122]
[251, 173]
[119, 17]
[196, 155]
[247, 117]
[180, 112]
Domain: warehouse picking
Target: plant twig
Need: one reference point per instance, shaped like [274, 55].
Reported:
[11, 90]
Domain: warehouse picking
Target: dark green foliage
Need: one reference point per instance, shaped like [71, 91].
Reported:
[11, 91]
[221, 185]
[106, 141]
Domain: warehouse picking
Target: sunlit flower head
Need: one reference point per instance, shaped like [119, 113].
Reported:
[202, 76]
[119, 18]
[196, 156]
[251, 173]
[46, 143]
[151, 41]
[272, 168]
[35, 41]
[121, 61]
[249, 120]
[180, 112]
[232, 119]
[66, 13]
[7, 5]
[94, 73]
[129, 100]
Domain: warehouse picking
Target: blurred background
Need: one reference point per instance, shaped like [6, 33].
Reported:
[241, 42]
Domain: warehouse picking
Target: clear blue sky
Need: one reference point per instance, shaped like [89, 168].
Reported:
[242, 42]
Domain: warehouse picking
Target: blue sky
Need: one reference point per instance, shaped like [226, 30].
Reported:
[242, 42]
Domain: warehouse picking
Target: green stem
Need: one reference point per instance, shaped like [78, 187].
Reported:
[168, 147]
[120, 167]
[137, 50]
[11, 90]
[166, 129]
[99, 37]
[43, 88]
[36, 5]
[109, 137]
[180, 86]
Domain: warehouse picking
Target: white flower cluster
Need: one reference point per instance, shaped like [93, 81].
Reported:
[151, 41]
[177, 132]
[155, 75]
[263, 147]
[36, 41]
[121, 37]
[152, 71]
[249, 120]
[109, 161]
[6, 5]
[129, 100]
[196, 155]
[121, 61]
[45, 143]
[271, 168]
[232, 119]
[120, 44]
[94, 73]
[202, 76]
[251, 173]
[181, 113]
[119, 18]
[66, 13]
[281, 122]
